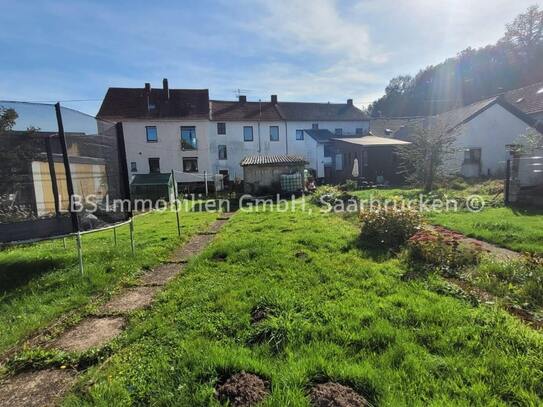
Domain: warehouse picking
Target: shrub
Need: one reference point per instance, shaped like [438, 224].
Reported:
[350, 185]
[388, 226]
[442, 250]
[328, 194]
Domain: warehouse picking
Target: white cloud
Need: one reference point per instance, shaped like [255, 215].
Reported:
[316, 27]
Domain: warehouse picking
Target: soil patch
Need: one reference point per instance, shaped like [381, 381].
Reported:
[258, 314]
[130, 300]
[217, 225]
[243, 390]
[162, 274]
[91, 333]
[336, 395]
[40, 388]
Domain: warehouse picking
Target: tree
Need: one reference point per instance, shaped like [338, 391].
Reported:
[530, 141]
[7, 119]
[525, 33]
[423, 160]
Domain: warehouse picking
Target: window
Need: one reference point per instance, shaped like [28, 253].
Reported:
[274, 133]
[327, 150]
[299, 134]
[339, 162]
[472, 155]
[133, 167]
[247, 133]
[152, 135]
[315, 126]
[222, 152]
[338, 132]
[154, 165]
[190, 164]
[221, 128]
[359, 130]
[188, 138]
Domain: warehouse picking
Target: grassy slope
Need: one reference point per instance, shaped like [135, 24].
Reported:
[514, 229]
[41, 281]
[335, 314]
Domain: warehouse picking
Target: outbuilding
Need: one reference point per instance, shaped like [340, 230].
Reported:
[153, 187]
[370, 158]
[273, 173]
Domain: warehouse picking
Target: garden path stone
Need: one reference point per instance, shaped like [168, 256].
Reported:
[39, 388]
[90, 333]
[130, 300]
[161, 274]
[193, 247]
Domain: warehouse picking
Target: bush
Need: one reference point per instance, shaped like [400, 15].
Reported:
[389, 227]
[350, 185]
[444, 251]
[328, 194]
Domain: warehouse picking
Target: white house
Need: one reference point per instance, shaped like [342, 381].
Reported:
[243, 128]
[483, 132]
[164, 129]
[182, 130]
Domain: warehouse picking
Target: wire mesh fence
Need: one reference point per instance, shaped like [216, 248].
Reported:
[61, 171]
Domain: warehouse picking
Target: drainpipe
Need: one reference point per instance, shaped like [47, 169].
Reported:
[259, 119]
[286, 138]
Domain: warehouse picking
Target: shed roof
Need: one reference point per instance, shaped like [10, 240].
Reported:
[151, 179]
[372, 141]
[272, 160]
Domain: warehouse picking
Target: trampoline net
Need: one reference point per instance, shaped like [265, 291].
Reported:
[34, 197]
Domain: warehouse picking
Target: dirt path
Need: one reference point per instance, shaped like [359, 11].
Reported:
[46, 387]
[497, 251]
[481, 295]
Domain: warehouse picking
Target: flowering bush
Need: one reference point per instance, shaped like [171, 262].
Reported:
[442, 249]
[388, 226]
[328, 194]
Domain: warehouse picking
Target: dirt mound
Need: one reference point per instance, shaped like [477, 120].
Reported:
[259, 314]
[336, 395]
[243, 389]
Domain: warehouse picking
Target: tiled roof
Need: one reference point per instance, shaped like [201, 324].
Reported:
[272, 160]
[387, 127]
[528, 99]
[320, 111]
[234, 110]
[372, 141]
[132, 103]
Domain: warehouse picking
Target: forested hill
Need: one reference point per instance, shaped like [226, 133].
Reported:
[514, 61]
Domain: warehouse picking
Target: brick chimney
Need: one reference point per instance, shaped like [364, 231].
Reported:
[242, 99]
[274, 99]
[147, 91]
[350, 102]
[166, 89]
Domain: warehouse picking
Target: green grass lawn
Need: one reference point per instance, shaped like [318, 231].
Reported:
[333, 313]
[520, 230]
[40, 282]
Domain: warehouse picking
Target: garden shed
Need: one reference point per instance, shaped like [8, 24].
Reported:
[273, 173]
[153, 187]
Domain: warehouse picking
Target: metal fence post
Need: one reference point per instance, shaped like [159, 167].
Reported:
[132, 244]
[79, 252]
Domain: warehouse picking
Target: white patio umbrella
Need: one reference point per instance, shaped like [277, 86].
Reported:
[355, 168]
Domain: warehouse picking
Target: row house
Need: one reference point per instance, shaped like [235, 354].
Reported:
[183, 130]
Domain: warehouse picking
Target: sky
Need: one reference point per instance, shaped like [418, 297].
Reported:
[301, 50]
